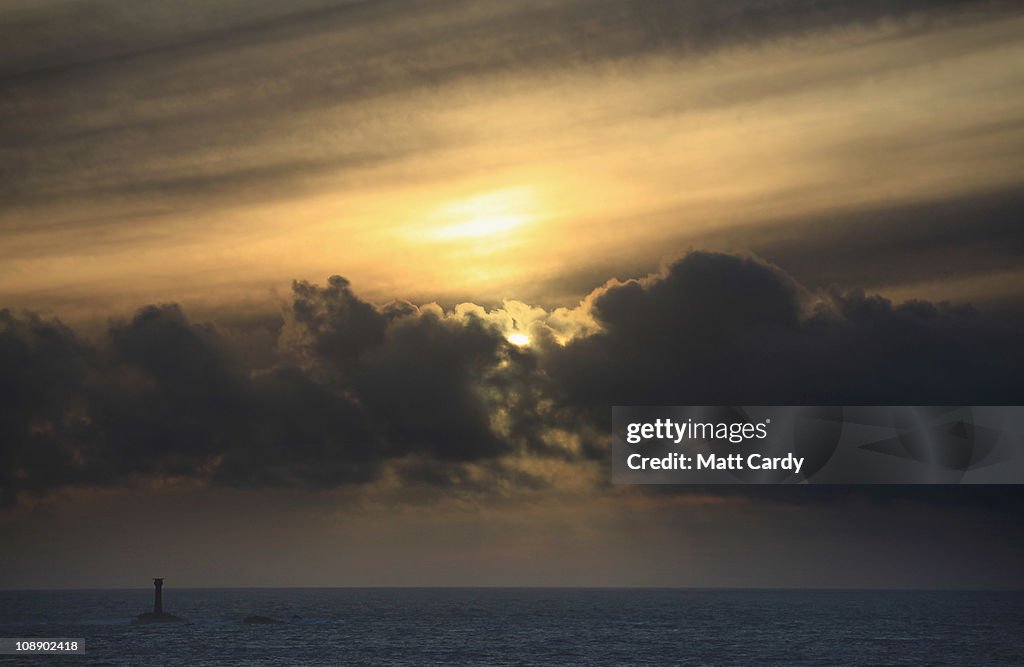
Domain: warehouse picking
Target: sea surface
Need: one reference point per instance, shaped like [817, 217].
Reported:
[382, 626]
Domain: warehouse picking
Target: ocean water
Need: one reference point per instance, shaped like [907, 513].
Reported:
[526, 627]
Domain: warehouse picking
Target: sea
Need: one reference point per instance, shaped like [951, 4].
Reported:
[524, 626]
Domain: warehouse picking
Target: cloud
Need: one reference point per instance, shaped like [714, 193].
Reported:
[206, 137]
[883, 246]
[352, 391]
[43, 372]
[420, 376]
[353, 386]
[97, 37]
[230, 98]
[717, 329]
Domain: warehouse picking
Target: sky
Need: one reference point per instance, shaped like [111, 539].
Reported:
[342, 293]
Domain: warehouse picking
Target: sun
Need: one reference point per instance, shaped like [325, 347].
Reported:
[489, 214]
[518, 338]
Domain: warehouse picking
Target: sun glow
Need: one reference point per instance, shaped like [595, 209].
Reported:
[484, 215]
[518, 338]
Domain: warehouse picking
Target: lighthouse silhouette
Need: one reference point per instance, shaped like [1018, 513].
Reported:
[158, 615]
[158, 595]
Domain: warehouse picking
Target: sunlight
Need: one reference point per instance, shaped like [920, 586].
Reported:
[483, 215]
[518, 339]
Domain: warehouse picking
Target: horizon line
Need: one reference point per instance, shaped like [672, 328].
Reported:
[541, 587]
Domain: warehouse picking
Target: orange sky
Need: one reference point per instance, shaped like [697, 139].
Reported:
[218, 171]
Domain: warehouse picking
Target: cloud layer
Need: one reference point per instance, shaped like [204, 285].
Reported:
[343, 392]
[194, 152]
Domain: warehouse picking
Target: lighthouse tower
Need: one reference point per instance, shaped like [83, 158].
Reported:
[158, 596]
[158, 615]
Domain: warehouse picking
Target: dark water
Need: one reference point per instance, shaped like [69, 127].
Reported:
[527, 627]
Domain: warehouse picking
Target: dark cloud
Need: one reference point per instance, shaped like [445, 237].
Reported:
[163, 396]
[420, 377]
[344, 388]
[716, 329]
[42, 371]
[719, 329]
